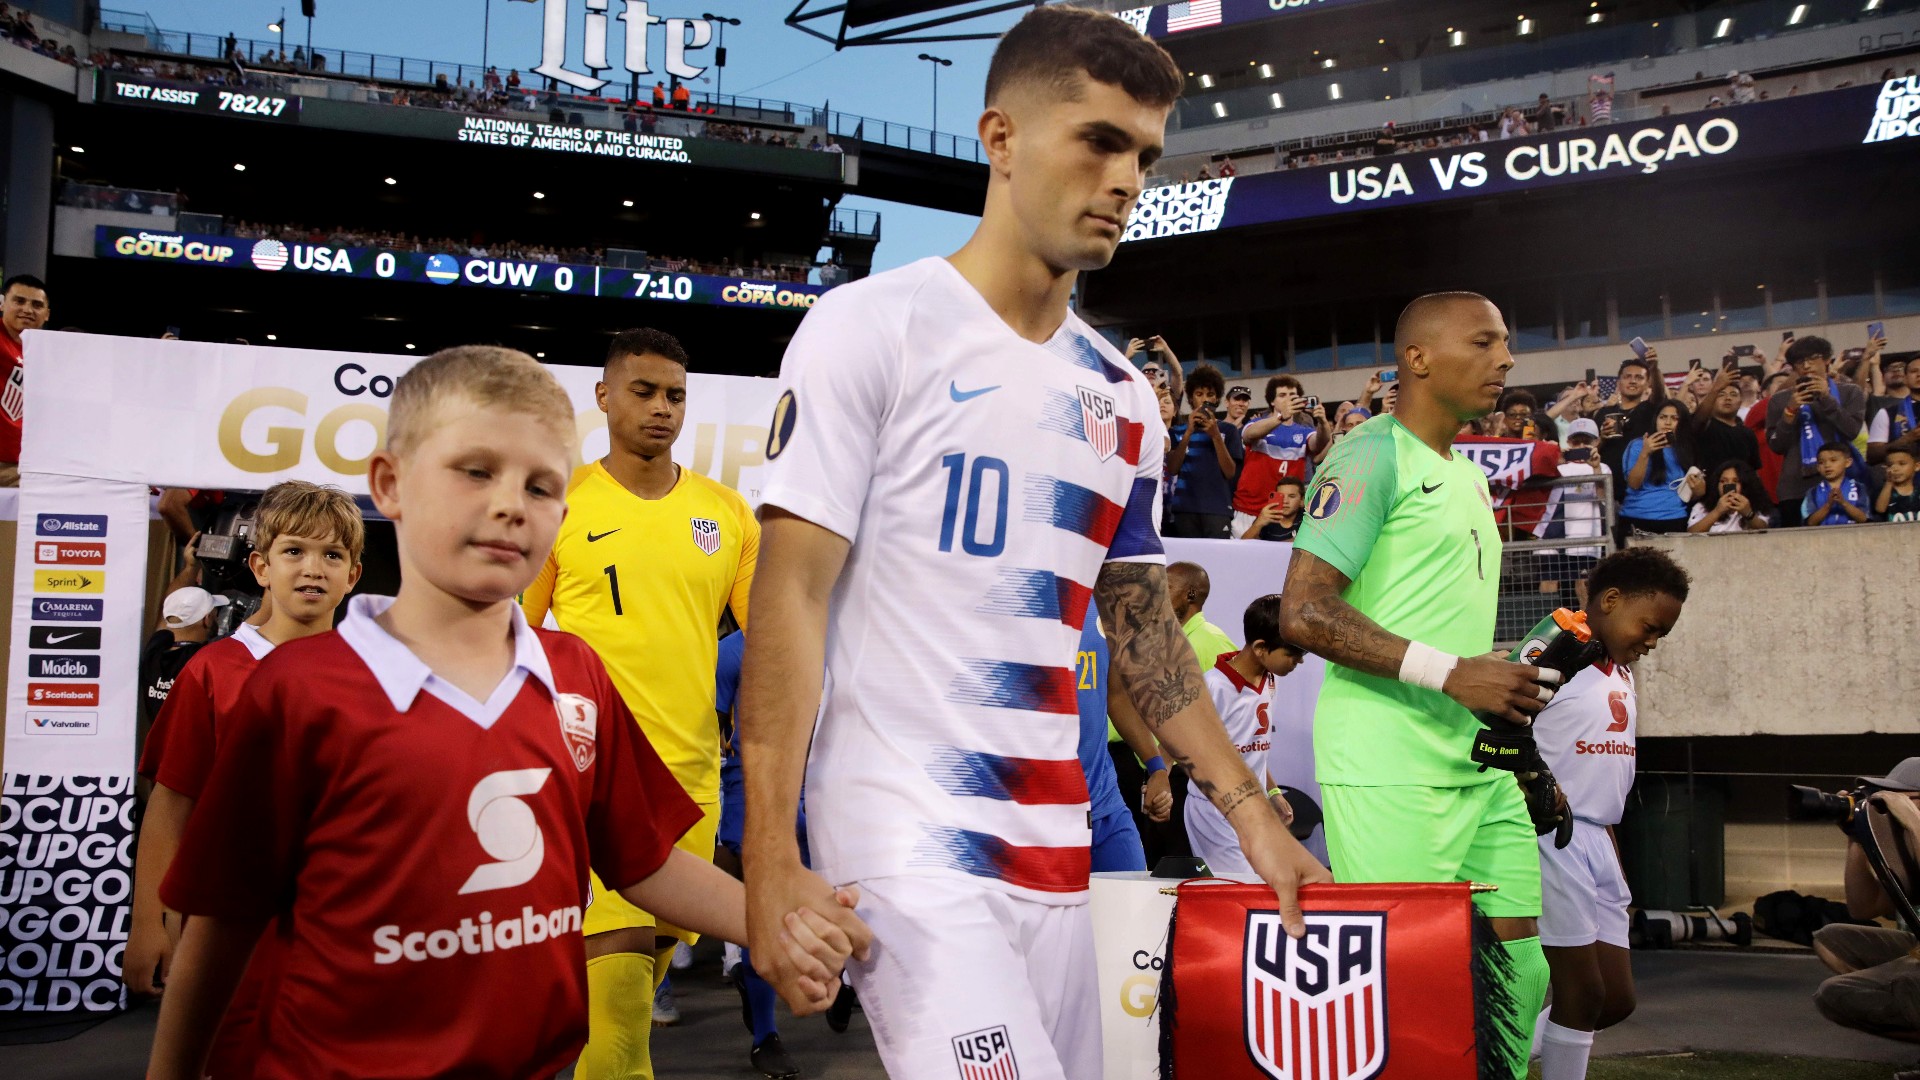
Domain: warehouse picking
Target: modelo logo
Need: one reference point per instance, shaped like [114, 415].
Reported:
[1178, 209]
[1893, 113]
[62, 666]
[72, 525]
[162, 246]
[761, 294]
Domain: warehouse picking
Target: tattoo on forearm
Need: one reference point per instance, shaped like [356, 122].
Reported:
[1228, 803]
[1151, 658]
[1315, 617]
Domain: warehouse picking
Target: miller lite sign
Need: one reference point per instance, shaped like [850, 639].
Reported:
[1379, 986]
[1316, 1008]
[1102, 424]
[683, 36]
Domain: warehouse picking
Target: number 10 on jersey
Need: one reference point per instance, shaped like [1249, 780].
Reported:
[967, 484]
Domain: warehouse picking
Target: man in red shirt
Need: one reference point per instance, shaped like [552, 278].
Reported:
[23, 307]
[412, 802]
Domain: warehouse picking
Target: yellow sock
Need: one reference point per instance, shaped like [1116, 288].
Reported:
[619, 1018]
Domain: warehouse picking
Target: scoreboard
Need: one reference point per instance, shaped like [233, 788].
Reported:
[445, 268]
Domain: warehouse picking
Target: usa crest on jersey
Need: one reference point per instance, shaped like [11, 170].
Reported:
[986, 1054]
[1101, 421]
[706, 535]
[1316, 1008]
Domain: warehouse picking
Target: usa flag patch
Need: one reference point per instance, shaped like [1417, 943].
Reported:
[706, 535]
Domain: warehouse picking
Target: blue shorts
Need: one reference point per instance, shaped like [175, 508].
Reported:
[733, 806]
[1116, 843]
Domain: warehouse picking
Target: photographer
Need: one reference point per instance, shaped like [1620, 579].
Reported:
[1877, 988]
[1160, 366]
[1201, 463]
[1815, 411]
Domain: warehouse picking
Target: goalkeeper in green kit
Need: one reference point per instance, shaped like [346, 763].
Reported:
[1394, 576]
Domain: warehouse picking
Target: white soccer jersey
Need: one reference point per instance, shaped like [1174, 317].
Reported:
[1586, 733]
[1245, 709]
[983, 480]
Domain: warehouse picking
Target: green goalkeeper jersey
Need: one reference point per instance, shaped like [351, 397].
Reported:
[1414, 533]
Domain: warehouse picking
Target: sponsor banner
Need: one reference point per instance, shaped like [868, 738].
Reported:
[76, 694]
[443, 268]
[1162, 21]
[64, 637]
[66, 876]
[65, 609]
[1796, 127]
[52, 551]
[247, 104]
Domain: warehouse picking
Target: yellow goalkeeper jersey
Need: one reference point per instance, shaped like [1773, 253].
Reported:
[645, 581]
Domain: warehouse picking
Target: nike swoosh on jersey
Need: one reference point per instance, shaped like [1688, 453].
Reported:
[592, 536]
[1430, 490]
[953, 388]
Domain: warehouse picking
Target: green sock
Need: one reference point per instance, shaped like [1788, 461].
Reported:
[1529, 983]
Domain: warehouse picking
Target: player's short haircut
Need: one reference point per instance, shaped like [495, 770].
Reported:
[1206, 377]
[1518, 397]
[1292, 481]
[315, 511]
[485, 375]
[27, 281]
[1805, 347]
[1054, 45]
[1414, 317]
[1261, 621]
[646, 341]
[1845, 450]
[1633, 362]
[1189, 577]
[1639, 571]
[1278, 382]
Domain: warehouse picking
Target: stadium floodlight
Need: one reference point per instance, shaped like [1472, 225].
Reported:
[1799, 13]
[754, 216]
[1333, 92]
[1328, 63]
[937, 63]
[77, 149]
[273, 337]
[1596, 18]
[276, 27]
[1266, 71]
[628, 203]
[1456, 38]
[391, 181]
[1277, 100]
[237, 167]
[410, 345]
[1526, 26]
[539, 194]
[1206, 82]
[1725, 28]
[1873, 5]
[1219, 110]
[539, 356]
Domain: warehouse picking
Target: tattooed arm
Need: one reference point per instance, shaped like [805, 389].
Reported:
[1154, 668]
[1314, 616]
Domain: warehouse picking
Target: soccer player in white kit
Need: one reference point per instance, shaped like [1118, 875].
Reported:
[955, 463]
[1586, 734]
[1241, 685]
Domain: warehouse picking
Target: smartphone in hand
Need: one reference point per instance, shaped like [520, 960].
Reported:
[1389, 375]
[1639, 347]
[1876, 331]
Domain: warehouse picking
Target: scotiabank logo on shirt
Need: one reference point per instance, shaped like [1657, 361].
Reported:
[510, 835]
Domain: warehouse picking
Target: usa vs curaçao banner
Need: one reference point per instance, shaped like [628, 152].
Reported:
[106, 418]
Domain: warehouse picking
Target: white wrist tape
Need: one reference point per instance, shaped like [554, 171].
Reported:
[1426, 666]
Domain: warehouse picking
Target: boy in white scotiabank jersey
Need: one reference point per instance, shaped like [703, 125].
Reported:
[956, 463]
[1586, 734]
[1241, 684]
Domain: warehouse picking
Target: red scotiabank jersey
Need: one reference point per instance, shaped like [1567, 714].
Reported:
[1380, 986]
[179, 750]
[426, 854]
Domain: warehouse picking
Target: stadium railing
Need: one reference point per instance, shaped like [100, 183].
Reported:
[846, 221]
[424, 74]
[103, 197]
[1537, 576]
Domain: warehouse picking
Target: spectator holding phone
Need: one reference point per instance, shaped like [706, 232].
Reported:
[1657, 468]
[1718, 434]
[1280, 518]
[1281, 443]
[1239, 403]
[1891, 416]
[1897, 500]
[1837, 499]
[1161, 367]
[1628, 414]
[1202, 463]
[1816, 411]
[1737, 503]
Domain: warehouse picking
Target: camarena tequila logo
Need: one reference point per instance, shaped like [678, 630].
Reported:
[1893, 115]
[683, 35]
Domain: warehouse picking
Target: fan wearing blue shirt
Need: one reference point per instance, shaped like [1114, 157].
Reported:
[1202, 462]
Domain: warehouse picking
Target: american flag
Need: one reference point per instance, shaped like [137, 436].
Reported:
[1192, 15]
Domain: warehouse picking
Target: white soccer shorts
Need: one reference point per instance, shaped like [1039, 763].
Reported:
[971, 983]
[1583, 894]
[1213, 839]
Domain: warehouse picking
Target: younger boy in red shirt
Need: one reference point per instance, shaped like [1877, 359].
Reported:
[418, 826]
[307, 545]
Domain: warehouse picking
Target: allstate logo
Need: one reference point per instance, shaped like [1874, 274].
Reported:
[443, 269]
[270, 255]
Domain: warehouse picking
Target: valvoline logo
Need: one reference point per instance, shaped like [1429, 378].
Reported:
[71, 525]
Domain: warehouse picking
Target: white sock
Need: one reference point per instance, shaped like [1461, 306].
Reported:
[1564, 1052]
[730, 959]
[1539, 1030]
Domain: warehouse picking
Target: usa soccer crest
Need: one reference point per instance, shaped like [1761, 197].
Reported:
[578, 723]
[986, 1054]
[1101, 422]
[1316, 1008]
[706, 535]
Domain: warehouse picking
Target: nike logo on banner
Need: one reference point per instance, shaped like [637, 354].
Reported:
[53, 639]
[953, 388]
[592, 536]
[1430, 490]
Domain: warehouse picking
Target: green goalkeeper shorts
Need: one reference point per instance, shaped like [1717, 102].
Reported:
[1403, 833]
